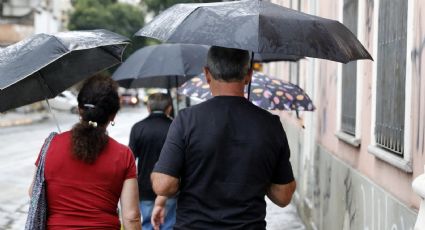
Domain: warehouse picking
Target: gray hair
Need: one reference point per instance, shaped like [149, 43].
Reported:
[159, 102]
[228, 64]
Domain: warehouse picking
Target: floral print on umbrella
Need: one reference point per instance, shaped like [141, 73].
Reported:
[266, 92]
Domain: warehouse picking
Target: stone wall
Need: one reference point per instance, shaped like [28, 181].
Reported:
[331, 195]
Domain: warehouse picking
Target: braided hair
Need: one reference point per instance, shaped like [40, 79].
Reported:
[98, 102]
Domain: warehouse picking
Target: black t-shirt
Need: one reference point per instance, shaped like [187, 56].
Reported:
[146, 140]
[226, 151]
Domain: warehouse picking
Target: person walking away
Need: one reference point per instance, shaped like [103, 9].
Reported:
[87, 172]
[146, 140]
[224, 155]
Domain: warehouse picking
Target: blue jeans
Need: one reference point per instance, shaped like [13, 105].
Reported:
[146, 207]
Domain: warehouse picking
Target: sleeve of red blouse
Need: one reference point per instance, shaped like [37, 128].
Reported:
[131, 165]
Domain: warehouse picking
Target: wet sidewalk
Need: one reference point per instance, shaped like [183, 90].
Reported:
[277, 218]
[10, 119]
[286, 218]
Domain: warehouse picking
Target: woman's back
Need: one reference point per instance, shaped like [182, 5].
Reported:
[80, 194]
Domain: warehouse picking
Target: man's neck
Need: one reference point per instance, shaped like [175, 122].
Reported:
[219, 88]
[157, 112]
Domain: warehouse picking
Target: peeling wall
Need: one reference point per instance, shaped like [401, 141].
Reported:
[334, 196]
[338, 183]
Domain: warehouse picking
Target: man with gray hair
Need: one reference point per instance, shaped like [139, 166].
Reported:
[146, 140]
[223, 155]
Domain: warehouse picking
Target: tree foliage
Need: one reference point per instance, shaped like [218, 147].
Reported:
[121, 18]
[156, 6]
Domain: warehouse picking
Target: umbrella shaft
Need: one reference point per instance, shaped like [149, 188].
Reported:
[44, 86]
[53, 115]
[250, 67]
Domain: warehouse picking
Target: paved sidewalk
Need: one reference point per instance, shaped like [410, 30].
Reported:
[21, 144]
[10, 119]
[277, 218]
[286, 218]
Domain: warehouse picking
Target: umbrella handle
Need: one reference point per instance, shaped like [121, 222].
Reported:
[177, 96]
[249, 89]
[250, 68]
[53, 115]
[44, 85]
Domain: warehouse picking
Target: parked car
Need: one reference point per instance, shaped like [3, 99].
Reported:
[129, 97]
[65, 101]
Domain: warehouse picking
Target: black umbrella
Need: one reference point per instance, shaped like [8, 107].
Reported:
[258, 26]
[271, 57]
[161, 66]
[43, 66]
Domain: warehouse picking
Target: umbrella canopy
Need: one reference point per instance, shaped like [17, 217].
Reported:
[162, 66]
[266, 92]
[271, 57]
[43, 66]
[258, 26]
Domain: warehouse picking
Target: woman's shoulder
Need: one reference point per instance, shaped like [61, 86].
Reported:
[119, 152]
[117, 146]
[61, 137]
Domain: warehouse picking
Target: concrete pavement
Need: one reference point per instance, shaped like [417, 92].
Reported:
[10, 119]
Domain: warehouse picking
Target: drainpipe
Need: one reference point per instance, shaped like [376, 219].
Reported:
[419, 187]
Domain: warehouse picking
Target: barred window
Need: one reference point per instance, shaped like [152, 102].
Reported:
[349, 72]
[294, 73]
[391, 75]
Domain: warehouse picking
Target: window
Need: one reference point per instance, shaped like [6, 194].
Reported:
[391, 76]
[349, 72]
[293, 73]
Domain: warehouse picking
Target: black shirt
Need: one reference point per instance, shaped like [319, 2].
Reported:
[226, 151]
[146, 140]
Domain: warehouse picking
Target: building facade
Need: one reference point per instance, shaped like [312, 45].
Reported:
[22, 18]
[16, 21]
[360, 150]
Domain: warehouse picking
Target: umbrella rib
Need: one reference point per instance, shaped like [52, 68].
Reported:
[345, 59]
[66, 48]
[44, 83]
[112, 54]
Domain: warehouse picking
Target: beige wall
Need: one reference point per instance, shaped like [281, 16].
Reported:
[11, 33]
[323, 88]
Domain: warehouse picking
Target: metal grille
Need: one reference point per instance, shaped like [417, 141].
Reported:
[390, 88]
[349, 72]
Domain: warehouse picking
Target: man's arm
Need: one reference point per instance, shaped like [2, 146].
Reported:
[158, 212]
[283, 184]
[281, 194]
[132, 142]
[164, 185]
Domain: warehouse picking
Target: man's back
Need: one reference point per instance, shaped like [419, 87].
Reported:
[227, 152]
[146, 140]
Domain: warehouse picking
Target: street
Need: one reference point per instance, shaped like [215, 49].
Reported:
[19, 149]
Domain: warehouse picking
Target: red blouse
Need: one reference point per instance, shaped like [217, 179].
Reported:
[81, 195]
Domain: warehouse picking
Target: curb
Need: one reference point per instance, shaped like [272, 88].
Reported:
[22, 121]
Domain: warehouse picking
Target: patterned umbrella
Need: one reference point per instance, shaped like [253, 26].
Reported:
[266, 92]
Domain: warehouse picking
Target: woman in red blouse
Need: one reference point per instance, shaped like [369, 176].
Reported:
[87, 172]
